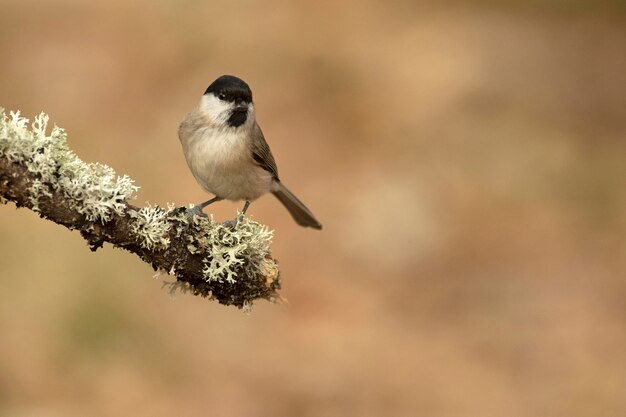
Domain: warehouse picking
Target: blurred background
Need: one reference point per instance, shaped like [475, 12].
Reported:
[467, 160]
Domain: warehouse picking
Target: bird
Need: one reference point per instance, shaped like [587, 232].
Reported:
[228, 155]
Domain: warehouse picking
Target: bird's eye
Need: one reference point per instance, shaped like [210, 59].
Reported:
[221, 96]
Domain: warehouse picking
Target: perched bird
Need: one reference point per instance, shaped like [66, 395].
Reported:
[227, 153]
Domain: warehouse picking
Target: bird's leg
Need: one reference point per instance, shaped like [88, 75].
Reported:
[233, 223]
[197, 210]
[245, 208]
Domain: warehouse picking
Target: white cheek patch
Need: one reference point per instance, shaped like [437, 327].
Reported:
[217, 110]
[250, 114]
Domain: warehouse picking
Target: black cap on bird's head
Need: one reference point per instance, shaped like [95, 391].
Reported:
[230, 88]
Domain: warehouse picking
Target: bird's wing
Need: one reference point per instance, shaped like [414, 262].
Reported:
[261, 152]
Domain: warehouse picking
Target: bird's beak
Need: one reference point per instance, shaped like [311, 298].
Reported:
[241, 108]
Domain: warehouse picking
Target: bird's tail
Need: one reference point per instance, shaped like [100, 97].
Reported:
[297, 209]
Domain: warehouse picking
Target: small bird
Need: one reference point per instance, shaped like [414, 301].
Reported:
[227, 152]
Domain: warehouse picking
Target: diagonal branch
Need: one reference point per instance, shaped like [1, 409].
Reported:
[39, 171]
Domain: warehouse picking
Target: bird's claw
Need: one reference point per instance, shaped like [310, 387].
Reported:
[195, 211]
[231, 224]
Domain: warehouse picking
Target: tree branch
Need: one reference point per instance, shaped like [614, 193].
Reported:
[39, 171]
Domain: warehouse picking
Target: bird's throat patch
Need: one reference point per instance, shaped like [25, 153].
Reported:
[237, 118]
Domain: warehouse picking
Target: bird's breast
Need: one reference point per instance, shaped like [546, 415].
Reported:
[221, 162]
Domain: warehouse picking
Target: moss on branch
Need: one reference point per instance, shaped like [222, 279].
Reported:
[40, 172]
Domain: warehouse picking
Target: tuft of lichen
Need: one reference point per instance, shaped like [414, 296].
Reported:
[93, 189]
[152, 225]
[238, 251]
[244, 247]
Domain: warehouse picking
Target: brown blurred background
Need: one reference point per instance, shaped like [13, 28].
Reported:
[467, 160]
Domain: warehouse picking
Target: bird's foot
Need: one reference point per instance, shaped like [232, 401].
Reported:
[231, 224]
[196, 211]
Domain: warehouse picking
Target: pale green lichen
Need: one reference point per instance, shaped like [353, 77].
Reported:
[37, 189]
[244, 247]
[243, 250]
[151, 225]
[192, 248]
[93, 190]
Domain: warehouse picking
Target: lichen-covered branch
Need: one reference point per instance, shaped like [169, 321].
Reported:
[40, 172]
